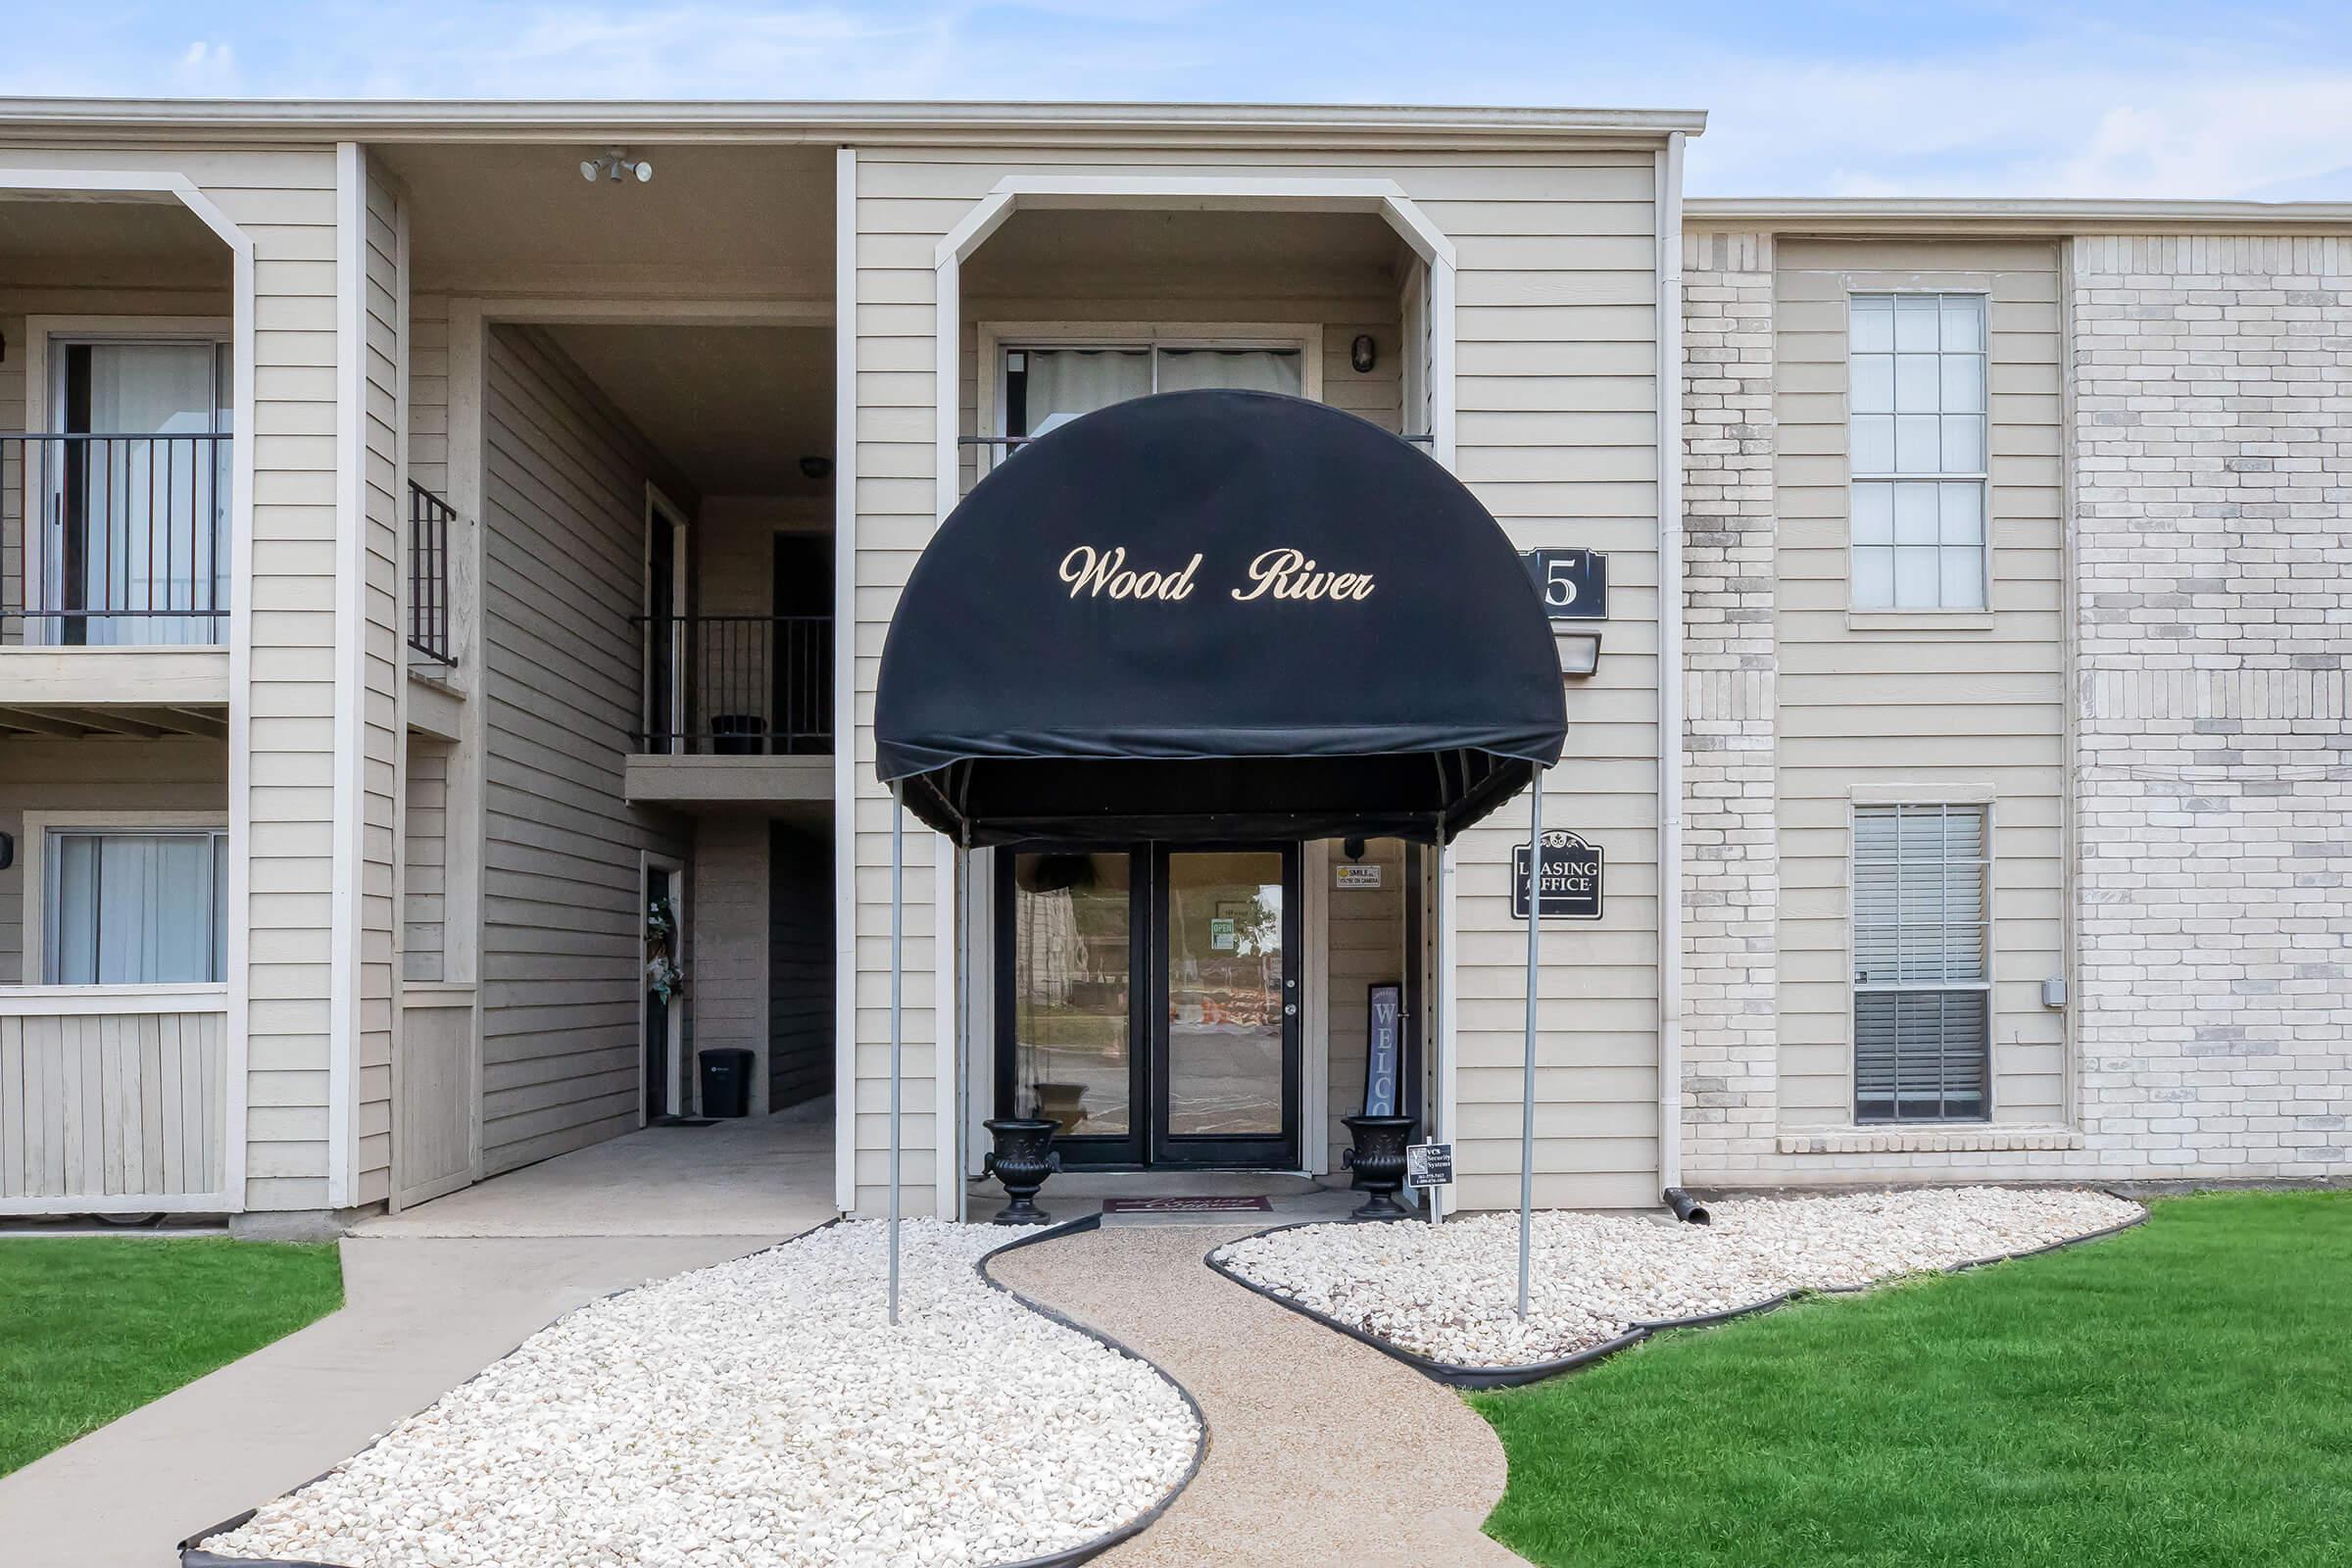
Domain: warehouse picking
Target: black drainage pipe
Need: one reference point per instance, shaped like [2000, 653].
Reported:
[1689, 1210]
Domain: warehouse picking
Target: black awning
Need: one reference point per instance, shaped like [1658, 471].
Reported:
[1217, 614]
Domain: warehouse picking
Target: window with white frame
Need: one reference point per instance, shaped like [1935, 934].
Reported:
[1922, 991]
[1917, 408]
[136, 907]
[1047, 386]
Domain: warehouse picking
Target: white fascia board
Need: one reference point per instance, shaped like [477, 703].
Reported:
[1874, 214]
[463, 118]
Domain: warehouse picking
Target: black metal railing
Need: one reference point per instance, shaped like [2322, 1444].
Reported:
[736, 685]
[429, 517]
[127, 539]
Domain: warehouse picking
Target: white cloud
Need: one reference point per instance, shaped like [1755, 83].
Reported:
[206, 69]
[2173, 101]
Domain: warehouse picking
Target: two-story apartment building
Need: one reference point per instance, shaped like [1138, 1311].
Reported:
[448, 551]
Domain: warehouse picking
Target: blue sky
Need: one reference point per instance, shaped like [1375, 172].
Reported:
[1961, 99]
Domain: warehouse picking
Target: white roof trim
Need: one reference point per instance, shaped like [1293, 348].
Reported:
[1872, 215]
[463, 117]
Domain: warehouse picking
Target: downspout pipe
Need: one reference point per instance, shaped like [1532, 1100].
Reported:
[1687, 1208]
[1669, 206]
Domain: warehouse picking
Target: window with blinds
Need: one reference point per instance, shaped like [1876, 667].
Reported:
[1922, 993]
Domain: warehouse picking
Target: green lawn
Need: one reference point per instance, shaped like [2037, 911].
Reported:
[2177, 1395]
[92, 1326]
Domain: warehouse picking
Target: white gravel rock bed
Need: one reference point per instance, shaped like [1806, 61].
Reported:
[1450, 1292]
[763, 1412]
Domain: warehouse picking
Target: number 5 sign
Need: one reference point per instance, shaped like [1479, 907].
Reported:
[1574, 583]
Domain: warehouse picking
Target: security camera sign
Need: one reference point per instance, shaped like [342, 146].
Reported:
[1429, 1164]
[1572, 877]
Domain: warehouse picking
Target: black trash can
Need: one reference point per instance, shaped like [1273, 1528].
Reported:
[726, 1081]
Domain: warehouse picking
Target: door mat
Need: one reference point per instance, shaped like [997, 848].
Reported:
[1187, 1205]
[683, 1121]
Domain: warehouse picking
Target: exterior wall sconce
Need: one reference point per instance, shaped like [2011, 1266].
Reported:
[1579, 653]
[1363, 353]
[613, 166]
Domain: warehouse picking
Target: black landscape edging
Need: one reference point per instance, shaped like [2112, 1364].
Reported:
[1455, 1375]
[193, 1554]
[1070, 1556]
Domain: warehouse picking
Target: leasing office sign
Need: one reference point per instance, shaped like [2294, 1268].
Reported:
[1571, 880]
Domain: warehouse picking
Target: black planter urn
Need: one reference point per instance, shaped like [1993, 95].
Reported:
[1022, 1161]
[1378, 1161]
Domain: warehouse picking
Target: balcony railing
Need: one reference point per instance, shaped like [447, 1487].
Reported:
[120, 540]
[736, 685]
[429, 517]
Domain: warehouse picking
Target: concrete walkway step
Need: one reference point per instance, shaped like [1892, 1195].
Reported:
[1321, 1450]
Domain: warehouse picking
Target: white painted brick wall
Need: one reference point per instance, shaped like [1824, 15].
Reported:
[2213, 456]
[2212, 451]
[1730, 861]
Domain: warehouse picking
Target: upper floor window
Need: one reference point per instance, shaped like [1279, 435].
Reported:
[1047, 387]
[1917, 450]
[1922, 991]
[133, 483]
[136, 907]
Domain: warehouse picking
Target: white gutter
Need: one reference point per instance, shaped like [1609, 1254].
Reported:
[863, 121]
[1670, 661]
[1895, 216]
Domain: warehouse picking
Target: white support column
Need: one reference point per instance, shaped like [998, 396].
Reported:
[343, 909]
[845, 679]
[1670, 661]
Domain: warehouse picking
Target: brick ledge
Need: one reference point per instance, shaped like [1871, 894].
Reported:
[1928, 1140]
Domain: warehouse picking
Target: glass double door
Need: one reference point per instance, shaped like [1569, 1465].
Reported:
[1147, 1002]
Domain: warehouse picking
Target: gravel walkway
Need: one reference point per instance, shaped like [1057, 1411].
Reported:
[1450, 1292]
[1321, 1450]
[763, 1412]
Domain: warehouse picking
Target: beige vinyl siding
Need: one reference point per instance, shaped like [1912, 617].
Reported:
[1365, 947]
[563, 499]
[1556, 399]
[428, 392]
[284, 199]
[729, 956]
[425, 861]
[385, 511]
[1939, 708]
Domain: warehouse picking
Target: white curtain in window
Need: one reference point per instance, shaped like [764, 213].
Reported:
[1242, 370]
[1064, 383]
[152, 508]
[137, 908]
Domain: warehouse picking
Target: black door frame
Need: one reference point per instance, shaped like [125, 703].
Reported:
[1146, 1145]
[1092, 1150]
[1280, 1152]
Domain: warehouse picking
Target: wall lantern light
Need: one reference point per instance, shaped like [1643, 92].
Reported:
[1363, 353]
[1579, 653]
[614, 165]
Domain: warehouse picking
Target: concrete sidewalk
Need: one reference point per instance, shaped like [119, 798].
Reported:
[757, 1176]
[1320, 1449]
[420, 1316]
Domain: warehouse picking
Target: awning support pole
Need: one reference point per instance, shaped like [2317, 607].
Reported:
[897, 969]
[1527, 1082]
